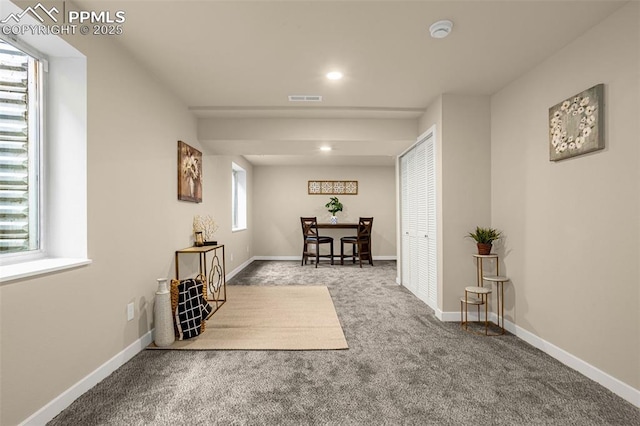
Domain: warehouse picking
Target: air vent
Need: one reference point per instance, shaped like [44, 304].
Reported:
[305, 98]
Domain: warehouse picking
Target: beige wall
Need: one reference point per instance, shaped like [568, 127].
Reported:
[280, 198]
[572, 243]
[57, 329]
[463, 159]
[238, 244]
[466, 196]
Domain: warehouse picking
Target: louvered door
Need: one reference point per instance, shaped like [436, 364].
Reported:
[418, 221]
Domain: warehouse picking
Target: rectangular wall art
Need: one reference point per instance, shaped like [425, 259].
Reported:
[189, 173]
[576, 124]
[324, 187]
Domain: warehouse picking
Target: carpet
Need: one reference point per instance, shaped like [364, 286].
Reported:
[403, 367]
[271, 318]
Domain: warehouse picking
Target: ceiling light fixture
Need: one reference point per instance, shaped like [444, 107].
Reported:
[325, 148]
[334, 75]
[440, 29]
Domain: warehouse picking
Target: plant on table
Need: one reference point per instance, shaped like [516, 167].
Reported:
[484, 237]
[334, 206]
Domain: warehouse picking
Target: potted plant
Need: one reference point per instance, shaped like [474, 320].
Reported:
[334, 205]
[484, 238]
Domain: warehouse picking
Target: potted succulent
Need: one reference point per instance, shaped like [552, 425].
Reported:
[484, 237]
[334, 206]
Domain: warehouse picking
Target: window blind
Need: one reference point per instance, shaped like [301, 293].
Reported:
[17, 230]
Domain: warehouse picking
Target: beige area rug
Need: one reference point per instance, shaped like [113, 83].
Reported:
[271, 318]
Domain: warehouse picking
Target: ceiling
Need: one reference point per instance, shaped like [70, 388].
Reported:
[241, 59]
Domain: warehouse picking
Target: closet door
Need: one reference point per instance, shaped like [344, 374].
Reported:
[432, 249]
[421, 236]
[409, 223]
[404, 221]
[418, 221]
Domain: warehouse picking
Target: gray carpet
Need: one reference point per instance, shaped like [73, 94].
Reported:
[403, 367]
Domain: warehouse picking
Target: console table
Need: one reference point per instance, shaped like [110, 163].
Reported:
[215, 279]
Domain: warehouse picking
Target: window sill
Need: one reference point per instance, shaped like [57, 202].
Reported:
[238, 229]
[39, 267]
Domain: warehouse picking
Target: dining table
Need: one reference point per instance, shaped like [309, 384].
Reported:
[346, 225]
[338, 225]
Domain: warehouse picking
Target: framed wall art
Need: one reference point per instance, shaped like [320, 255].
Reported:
[189, 173]
[576, 124]
[332, 187]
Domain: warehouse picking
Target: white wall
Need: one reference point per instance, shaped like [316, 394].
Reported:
[304, 136]
[463, 159]
[281, 198]
[572, 245]
[57, 329]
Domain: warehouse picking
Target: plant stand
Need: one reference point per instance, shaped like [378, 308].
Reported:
[479, 295]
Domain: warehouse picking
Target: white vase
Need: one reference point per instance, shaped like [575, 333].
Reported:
[334, 220]
[192, 187]
[162, 318]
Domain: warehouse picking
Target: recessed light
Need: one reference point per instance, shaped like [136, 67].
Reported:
[440, 29]
[325, 148]
[334, 75]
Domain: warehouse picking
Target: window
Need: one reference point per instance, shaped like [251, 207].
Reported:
[20, 165]
[238, 198]
[43, 154]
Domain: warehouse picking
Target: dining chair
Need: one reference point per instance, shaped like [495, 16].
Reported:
[311, 238]
[361, 243]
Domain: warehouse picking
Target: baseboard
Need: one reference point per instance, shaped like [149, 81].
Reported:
[616, 386]
[239, 268]
[62, 401]
[277, 258]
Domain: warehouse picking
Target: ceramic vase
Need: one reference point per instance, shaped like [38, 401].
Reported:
[334, 220]
[163, 320]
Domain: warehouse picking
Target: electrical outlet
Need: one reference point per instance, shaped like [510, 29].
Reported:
[130, 311]
[231, 257]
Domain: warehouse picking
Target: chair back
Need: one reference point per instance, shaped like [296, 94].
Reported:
[309, 226]
[365, 225]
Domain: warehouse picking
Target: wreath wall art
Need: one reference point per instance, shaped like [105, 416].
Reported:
[576, 124]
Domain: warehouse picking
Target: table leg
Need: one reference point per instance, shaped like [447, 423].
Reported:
[177, 273]
[502, 304]
[486, 315]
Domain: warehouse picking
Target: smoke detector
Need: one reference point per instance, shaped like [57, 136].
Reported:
[440, 29]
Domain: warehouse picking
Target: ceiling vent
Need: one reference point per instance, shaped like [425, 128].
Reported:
[305, 98]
